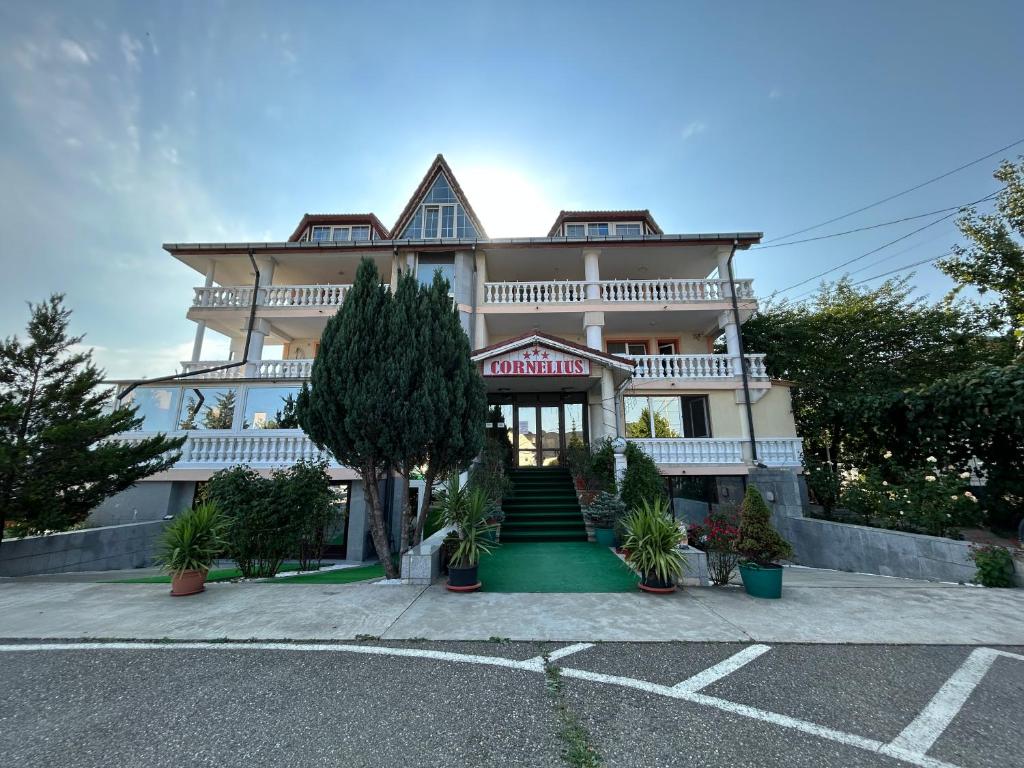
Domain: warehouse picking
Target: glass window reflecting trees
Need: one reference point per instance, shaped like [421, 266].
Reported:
[674, 416]
[207, 408]
[270, 408]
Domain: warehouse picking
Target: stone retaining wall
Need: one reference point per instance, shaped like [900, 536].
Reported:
[858, 548]
[92, 549]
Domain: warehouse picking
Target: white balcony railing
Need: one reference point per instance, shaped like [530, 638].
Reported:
[695, 367]
[614, 291]
[256, 448]
[773, 451]
[240, 296]
[264, 369]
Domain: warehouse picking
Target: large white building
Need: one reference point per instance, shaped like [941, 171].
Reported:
[603, 326]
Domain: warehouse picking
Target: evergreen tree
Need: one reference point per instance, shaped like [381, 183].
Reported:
[55, 461]
[454, 391]
[349, 406]
[759, 542]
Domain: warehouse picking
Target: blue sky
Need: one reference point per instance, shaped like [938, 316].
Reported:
[128, 124]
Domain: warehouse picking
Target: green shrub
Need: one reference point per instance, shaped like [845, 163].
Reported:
[606, 510]
[273, 519]
[602, 466]
[192, 540]
[491, 472]
[759, 542]
[823, 482]
[642, 481]
[995, 566]
[653, 539]
[921, 499]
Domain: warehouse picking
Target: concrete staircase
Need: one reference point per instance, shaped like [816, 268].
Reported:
[542, 506]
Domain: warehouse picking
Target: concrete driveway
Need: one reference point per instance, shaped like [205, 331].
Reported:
[817, 607]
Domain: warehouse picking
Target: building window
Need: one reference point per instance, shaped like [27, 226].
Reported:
[339, 233]
[208, 408]
[270, 408]
[361, 233]
[666, 347]
[575, 230]
[156, 407]
[598, 230]
[321, 234]
[627, 348]
[628, 230]
[667, 416]
[427, 265]
[439, 215]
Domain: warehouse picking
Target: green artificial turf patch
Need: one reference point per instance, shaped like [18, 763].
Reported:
[555, 566]
[217, 574]
[340, 576]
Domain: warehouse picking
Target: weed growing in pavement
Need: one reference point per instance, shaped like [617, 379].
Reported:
[578, 752]
[496, 639]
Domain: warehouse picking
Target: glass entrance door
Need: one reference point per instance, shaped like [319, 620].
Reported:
[538, 427]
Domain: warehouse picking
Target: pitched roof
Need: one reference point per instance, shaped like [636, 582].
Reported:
[643, 214]
[340, 218]
[532, 337]
[439, 165]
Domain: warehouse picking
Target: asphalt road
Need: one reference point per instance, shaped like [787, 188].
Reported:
[511, 704]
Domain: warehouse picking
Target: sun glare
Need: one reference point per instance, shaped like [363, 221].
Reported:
[508, 202]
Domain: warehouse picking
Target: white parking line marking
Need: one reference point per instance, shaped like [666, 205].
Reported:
[894, 750]
[560, 653]
[713, 674]
[922, 733]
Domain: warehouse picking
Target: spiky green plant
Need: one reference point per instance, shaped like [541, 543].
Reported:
[468, 509]
[653, 539]
[192, 541]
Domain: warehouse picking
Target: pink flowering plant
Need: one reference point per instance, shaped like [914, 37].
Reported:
[717, 536]
[923, 499]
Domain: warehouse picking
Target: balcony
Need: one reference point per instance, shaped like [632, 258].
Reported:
[773, 451]
[240, 296]
[671, 291]
[260, 449]
[258, 369]
[692, 367]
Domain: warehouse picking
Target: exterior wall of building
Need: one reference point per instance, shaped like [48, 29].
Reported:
[92, 549]
[773, 413]
[146, 501]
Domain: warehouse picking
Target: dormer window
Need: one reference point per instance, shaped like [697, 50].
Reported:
[603, 229]
[326, 233]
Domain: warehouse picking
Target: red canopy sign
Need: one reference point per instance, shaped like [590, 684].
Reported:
[536, 361]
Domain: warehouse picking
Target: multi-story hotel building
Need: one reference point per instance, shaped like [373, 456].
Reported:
[603, 326]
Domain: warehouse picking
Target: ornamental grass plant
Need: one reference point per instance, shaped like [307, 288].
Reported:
[652, 540]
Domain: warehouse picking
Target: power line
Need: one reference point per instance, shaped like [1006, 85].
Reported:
[884, 274]
[899, 194]
[883, 246]
[859, 229]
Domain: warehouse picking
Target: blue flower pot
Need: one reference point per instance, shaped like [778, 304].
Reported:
[762, 581]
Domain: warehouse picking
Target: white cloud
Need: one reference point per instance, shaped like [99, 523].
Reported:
[74, 52]
[130, 49]
[693, 129]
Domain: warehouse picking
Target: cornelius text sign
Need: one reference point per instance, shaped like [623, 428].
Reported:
[536, 361]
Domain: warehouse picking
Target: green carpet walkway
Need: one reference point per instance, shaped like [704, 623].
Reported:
[555, 566]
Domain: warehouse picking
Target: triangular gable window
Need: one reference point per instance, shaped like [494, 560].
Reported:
[439, 214]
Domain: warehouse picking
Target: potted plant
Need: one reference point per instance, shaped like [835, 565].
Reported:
[603, 513]
[759, 547]
[189, 545]
[652, 540]
[467, 510]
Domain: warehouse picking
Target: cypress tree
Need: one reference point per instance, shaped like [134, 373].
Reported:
[455, 391]
[56, 463]
[350, 407]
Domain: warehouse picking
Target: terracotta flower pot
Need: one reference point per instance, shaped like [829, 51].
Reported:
[187, 583]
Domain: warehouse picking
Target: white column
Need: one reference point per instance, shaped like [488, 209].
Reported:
[480, 335]
[237, 347]
[609, 428]
[593, 324]
[481, 278]
[260, 329]
[723, 270]
[197, 345]
[592, 272]
[265, 264]
[727, 322]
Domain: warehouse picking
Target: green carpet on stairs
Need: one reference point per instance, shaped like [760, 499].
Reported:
[555, 566]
